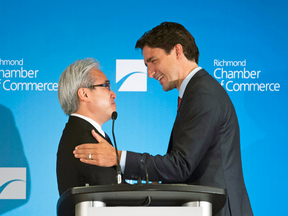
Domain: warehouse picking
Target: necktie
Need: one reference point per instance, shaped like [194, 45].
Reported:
[179, 101]
[107, 138]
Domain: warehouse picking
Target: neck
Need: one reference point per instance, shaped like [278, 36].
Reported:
[90, 115]
[190, 66]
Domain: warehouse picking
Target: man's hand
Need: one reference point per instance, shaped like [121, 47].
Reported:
[102, 154]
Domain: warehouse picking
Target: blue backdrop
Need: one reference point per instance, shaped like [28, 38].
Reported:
[39, 39]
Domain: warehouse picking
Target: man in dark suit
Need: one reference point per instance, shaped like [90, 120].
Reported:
[204, 146]
[84, 94]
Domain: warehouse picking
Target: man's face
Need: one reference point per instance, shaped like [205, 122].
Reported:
[162, 67]
[101, 103]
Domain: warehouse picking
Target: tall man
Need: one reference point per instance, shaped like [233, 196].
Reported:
[204, 147]
[85, 95]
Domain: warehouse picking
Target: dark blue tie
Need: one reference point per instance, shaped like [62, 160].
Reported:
[107, 138]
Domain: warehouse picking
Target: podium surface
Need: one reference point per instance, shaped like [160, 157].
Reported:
[141, 195]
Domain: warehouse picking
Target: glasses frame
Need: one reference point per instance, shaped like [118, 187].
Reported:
[106, 84]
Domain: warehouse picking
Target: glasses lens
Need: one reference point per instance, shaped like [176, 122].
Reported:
[108, 85]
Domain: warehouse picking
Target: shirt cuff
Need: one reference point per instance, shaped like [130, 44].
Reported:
[123, 160]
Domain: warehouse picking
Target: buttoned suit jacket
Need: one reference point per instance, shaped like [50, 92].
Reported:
[71, 172]
[204, 147]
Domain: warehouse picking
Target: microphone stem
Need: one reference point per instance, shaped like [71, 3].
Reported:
[115, 142]
[119, 177]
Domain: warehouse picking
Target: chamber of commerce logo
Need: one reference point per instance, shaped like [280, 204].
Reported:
[12, 183]
[14, 76]
[131, 75]
[236, 76]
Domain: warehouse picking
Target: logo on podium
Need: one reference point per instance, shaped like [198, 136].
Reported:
[13, 183]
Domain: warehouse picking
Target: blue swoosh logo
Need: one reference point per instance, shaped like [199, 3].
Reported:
[120, 82]
[7, 183]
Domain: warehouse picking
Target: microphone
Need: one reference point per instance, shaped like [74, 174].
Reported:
[114, 115]
[119, 176]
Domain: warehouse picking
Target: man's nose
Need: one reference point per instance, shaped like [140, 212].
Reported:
[151, 71]
[113, 95]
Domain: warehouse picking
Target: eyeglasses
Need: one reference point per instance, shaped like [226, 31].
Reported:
[106, 84]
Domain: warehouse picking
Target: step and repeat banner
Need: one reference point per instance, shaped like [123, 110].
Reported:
[243, 45]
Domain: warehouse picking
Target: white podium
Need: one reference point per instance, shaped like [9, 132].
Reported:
[141, 199]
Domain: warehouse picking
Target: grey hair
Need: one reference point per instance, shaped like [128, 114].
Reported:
[72, 78]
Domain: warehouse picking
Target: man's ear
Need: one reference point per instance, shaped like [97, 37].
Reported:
[178, 51]
[83, 94]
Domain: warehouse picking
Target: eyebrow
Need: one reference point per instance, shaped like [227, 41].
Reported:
[149, 60]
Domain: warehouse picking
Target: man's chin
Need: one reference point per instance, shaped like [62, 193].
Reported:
[113, 110]
[166, 88]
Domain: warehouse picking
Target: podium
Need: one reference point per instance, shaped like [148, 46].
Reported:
[83, 201]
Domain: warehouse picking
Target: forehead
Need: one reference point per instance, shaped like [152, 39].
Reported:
[149, 53]
[98, 74]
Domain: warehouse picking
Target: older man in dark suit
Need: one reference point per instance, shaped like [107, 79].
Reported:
[85, 95]
[204, 146]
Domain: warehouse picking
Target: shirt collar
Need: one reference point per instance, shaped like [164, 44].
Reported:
[186, 80]
[91, 121]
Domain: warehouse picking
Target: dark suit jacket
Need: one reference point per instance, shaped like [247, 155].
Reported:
[71, 172]
[204, 146]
